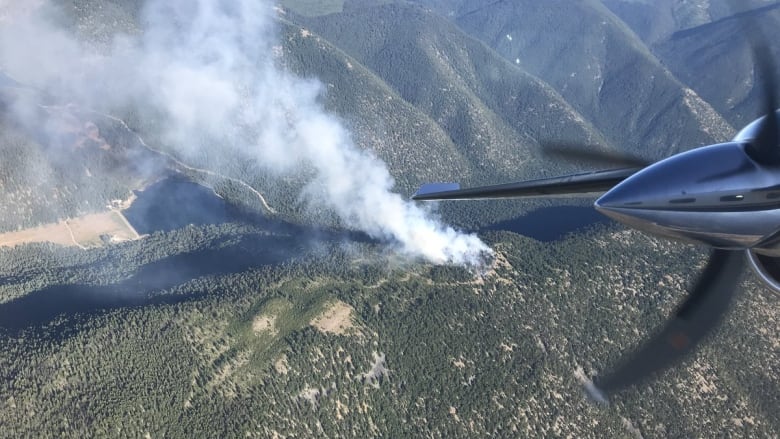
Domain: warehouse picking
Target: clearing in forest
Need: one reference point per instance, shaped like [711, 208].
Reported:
[336, 318]
[84, 231]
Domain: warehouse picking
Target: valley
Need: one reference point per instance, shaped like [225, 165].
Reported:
[170, 266]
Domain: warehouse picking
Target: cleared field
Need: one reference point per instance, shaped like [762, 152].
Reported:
[336, 319]
[84, 231]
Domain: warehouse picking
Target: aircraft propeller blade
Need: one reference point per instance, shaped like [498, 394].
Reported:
[592, 154]
[701, 311]
[765, 148]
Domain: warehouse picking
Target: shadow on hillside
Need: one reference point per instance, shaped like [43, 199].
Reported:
[552, 223]
[144, 287]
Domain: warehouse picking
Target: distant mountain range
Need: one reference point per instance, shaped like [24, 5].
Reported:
[466, 90]
[250, 323]
[623, 69]
[654, 21]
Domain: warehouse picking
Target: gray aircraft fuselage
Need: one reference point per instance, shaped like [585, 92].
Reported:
[715, 195]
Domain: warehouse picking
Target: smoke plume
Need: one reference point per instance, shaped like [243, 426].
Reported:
[211, 69]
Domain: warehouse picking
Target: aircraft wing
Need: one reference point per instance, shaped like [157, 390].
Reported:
[577, 184]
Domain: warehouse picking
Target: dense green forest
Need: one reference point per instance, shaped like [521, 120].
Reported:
[277, 321]
[432, 350]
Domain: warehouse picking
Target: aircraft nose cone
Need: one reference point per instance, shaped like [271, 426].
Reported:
[700, 196]
[620, 201]
[621, 196]
[643, 204]
[644, 200]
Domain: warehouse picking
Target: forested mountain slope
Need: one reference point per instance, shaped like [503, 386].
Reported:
[602, 69]
[716, 60]
[348, 343]
[275, 321]
[493, 110]
[654, 21]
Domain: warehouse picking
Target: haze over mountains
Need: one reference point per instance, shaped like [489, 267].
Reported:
[492, 80]
[309, 301]
[607, 78]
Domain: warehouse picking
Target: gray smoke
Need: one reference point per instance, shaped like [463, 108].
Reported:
[210, 67]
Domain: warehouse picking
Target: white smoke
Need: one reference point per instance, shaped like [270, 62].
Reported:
[211, 68]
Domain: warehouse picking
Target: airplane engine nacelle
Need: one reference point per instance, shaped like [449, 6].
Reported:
[767, 268]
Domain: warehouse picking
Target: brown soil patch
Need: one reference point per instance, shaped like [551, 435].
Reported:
[84, 231]
[264, 323]
[82, 133]
[336, 319]
[88, 228]
[56, 233]
[281, 365]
